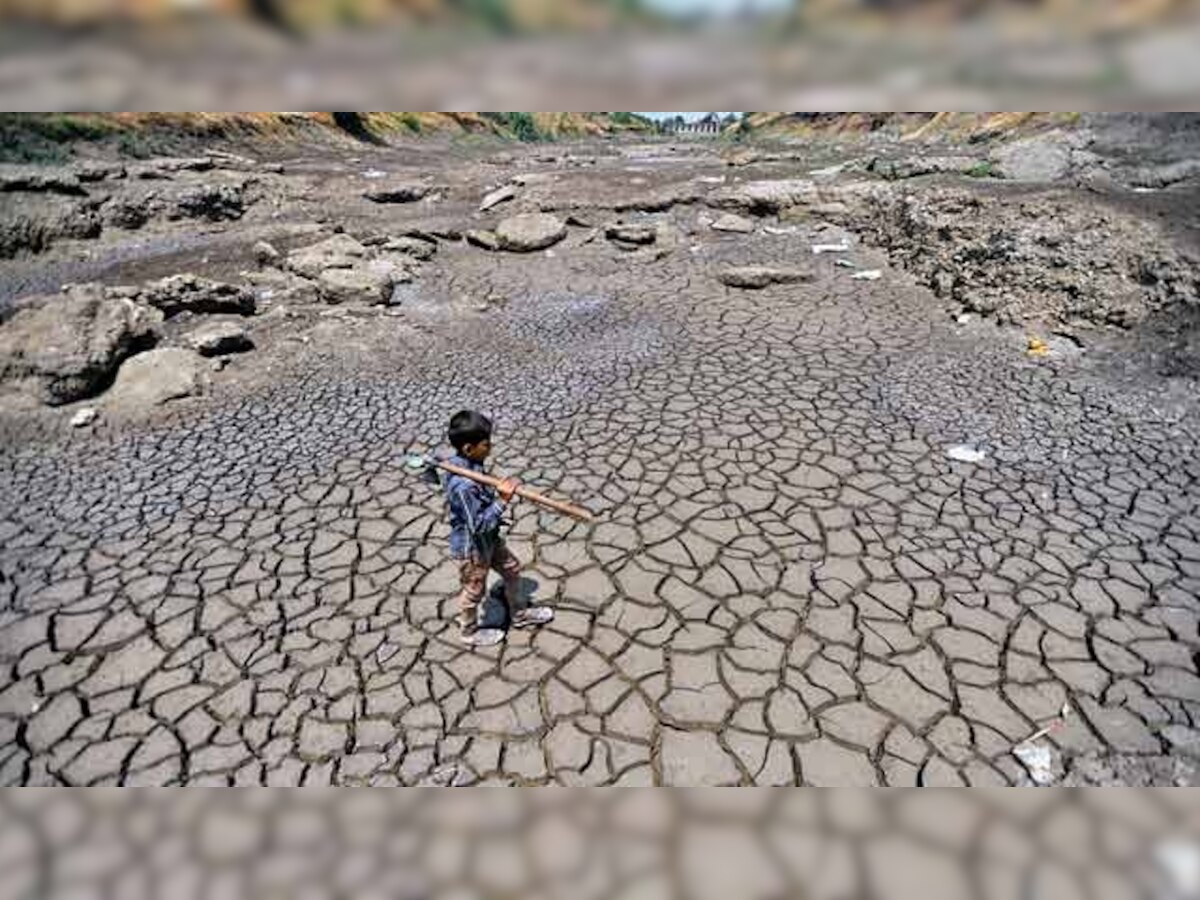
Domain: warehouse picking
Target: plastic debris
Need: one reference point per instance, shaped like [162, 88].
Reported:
[966, 453]
[374, 173]
[83, 418]
[1037, 347]
[843, 263]
[818, 249]
[964, 318]
[1038, 760]
[867, 275]
[772, 229]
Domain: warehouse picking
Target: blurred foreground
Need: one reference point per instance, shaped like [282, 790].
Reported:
[752, 843]
[584, 55]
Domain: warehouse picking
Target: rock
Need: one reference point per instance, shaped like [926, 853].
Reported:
[33, 222]
[190, 293]
[530, 231]
[84, 417]
[67, 347]
[400, 192]
[409, 246]
[765, 196]
[1164, 175]
[913, 167]
[364, 284]
[130, 213]
[39, 180]
[734, 223]
[219, 338]
[498, 196]
[1044, 157]
[158, 376]
[95, 170]
[338, 252]
[485, 239]
[215, 203]
[755, 277]
[265, 254]
[626, 233]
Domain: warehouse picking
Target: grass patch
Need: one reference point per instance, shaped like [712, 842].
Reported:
[983, 169]
[519, 125]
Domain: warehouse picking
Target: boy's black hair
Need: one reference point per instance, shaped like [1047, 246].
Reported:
[468, 427]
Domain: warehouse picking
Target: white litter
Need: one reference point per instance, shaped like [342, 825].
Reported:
[843, 263]
[966, 453]
[818, 249]
[83, 418]
[771, 229]
[964, 318]
[374, 173]
[867, 275]
[1038, 760]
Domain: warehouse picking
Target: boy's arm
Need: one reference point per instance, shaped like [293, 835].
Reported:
[480, 518]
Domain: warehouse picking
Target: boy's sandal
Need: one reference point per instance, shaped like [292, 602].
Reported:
[532, 616]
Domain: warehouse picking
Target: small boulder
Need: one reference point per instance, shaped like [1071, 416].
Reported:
[67, 347]
[530, 231]
[364, 284]
[755, 277]
[733, 223]
[212, 202]
[338, 252]
[265, 254]
[626, 233]
[158, 376]
[409, 246]
[401, 192]
[190, 293]
[485, 239]
[219, 338]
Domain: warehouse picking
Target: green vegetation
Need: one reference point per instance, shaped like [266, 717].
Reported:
[982, 169]
[520, 125]
[31, 137]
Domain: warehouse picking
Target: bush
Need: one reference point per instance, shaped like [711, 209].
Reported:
[981, 170]
[520, 124]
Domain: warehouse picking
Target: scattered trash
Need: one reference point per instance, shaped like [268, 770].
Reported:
[83, 418]
[966, 453]
[963, 318]
[843, 263]
[1038, 760]
[374, 173]
[867, 275]
[772, 229]
[550, 254]
[818, 249]
[35, 707]
[1037, 347]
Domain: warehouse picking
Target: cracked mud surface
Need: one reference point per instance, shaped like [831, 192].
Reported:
[755, 843]
[789, 582]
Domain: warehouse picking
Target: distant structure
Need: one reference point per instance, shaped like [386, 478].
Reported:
[710, 125]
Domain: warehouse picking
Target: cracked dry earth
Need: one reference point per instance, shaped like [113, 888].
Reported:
[788, 581]
[757, 843]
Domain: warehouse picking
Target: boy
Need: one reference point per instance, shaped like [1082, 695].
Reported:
[475, 539]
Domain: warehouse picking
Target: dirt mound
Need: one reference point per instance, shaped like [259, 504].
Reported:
[1044, 257]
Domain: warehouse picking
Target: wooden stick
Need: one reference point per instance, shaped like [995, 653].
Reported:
[567, 509]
